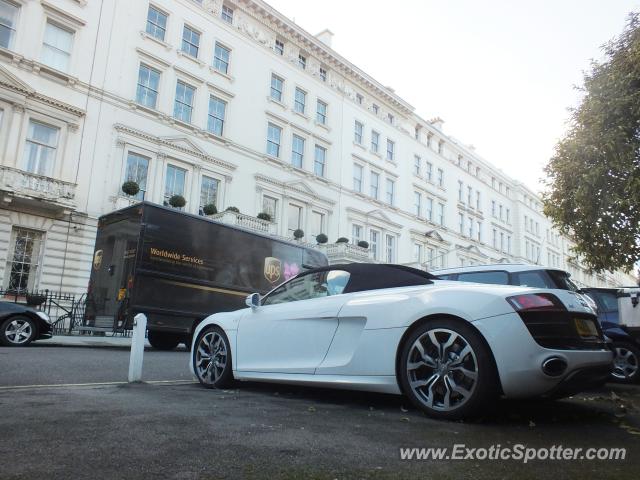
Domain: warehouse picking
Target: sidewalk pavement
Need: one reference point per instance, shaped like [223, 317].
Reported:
[89, 341]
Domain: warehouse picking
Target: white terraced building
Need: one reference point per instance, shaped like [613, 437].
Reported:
[234, 104]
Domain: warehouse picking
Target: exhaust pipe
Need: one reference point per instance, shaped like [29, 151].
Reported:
[554, 366]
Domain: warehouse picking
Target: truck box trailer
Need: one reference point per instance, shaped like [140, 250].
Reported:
[178, 268]
[629, 308]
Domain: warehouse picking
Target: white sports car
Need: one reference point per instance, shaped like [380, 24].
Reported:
[450, 347]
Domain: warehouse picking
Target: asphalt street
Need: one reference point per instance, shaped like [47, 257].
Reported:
[180, 430]
[50, 365]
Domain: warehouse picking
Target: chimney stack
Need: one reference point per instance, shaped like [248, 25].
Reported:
[325, 36]
[437, 122]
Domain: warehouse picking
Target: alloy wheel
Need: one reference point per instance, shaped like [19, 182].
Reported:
[211, 357]
[19, 331]
[442, 369]
[625, 363]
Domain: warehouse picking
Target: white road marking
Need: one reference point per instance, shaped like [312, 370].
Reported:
[96, 384]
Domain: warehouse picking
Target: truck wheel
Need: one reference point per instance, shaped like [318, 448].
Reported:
[163, 340]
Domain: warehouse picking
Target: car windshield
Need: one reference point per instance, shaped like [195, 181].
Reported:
[534, 278]
[308, 286]
[493, 277]
[562, 280]
[608, 300]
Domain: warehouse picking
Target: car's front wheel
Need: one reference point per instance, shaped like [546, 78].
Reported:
[626, 363]
[446, 370]
[211, 358]
[17, 331]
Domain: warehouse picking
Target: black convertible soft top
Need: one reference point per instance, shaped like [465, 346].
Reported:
[374, 276]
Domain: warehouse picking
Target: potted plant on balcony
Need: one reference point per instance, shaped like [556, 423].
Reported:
[130, 188]
[264, 216]
[177, 201]
[322, 239]
[298, 234]
[233, 209]
[342, 240]
[209, 209]
[363, 244]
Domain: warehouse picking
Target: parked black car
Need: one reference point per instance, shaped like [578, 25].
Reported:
[626, 364]
[20, 324]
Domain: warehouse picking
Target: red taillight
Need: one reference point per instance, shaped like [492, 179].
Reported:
[535, 301]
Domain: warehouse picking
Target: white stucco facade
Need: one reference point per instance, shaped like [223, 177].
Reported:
[94, 93]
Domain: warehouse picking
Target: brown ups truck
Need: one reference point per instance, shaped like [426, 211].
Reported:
[179, 268]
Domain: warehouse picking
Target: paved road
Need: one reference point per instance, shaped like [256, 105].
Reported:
[46, 365]
[183, 431]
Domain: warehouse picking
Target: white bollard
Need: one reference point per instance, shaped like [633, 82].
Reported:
[137, 347]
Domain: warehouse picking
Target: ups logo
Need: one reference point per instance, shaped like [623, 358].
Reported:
[97, 259]
[272, 269]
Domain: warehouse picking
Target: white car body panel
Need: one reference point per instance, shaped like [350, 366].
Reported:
[279, 338]
[352, 340]
[380, 384]
[367, 352]
[519, 358]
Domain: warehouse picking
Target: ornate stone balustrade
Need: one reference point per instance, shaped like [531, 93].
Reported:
[29, 185]
[245, 221]
[345, 253]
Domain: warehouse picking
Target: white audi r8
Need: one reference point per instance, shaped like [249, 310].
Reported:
[450, 347]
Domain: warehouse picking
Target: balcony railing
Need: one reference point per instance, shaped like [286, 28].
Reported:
[336, 252]
[345, 253]
[32, 185]
[246, 221]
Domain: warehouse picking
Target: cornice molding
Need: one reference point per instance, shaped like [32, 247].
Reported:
[124, 129]
[275, 21]
[9, 81]
[57, 13]
[376, 215]
[299, 187]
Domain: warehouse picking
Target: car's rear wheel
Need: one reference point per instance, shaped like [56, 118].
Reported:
[17, 331]
[446, 370]
[626, 363]
[163, 340]
[211, 358]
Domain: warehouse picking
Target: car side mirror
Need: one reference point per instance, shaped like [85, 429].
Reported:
[253, 300]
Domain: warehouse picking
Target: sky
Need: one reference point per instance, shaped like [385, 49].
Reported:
[500, 73]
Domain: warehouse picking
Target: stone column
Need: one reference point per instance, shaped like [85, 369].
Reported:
[156, 193]
[14, 149]
[194, 196]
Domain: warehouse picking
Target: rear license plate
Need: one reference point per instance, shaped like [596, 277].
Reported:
[585, 328]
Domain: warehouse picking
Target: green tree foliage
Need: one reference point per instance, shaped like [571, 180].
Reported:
[593, 186]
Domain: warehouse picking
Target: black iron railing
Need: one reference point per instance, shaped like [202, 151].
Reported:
[67, 310]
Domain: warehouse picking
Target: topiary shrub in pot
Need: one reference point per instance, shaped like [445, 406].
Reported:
[130, 188]
[322, 238]
[177, 201]
[298, 234]
[264, 216]
[210, 209]
[233, 209]
[363, 244]
[342, 240]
